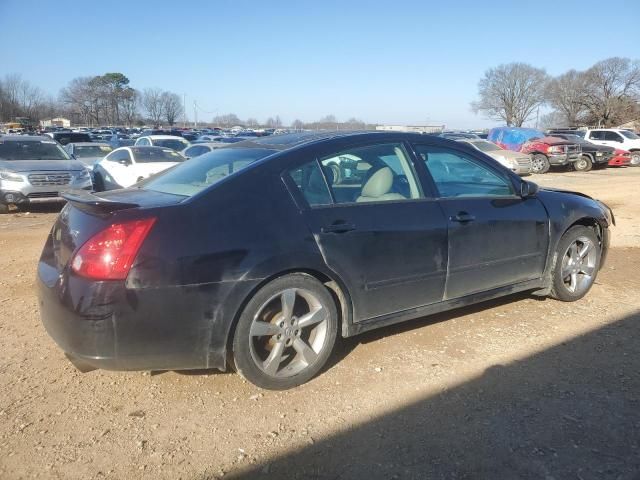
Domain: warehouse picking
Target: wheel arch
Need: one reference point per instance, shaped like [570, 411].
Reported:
[332, 283]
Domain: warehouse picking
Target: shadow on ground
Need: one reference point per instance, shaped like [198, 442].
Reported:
[570, 412]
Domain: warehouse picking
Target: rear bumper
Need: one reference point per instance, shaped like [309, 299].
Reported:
[109, 326]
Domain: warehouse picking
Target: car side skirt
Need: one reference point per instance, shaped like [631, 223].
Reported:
[418, 312]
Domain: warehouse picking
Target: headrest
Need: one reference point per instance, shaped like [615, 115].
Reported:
[379, 183]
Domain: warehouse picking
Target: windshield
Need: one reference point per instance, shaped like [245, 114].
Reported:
[205, 170]
[152, 155]
[32, 150]
[91, 151]
[171, 143]
[486, 146]
[629, 135]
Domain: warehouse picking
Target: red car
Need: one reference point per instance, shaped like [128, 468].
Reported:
[621, 158]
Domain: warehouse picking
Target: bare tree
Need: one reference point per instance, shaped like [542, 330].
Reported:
[171, 107]
[612, 90]
[297, 124]
[153, 104]
[228, 120]
[511, 93]
[274, 122]
[252, 122]
[566, 94]
[130, 101]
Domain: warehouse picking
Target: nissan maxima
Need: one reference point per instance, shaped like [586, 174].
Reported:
[258, 255]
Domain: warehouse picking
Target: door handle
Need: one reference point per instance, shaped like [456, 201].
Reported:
[462, 217]
[338, 228]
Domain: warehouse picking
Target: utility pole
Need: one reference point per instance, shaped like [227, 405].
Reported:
[195, 114]
[184, 110]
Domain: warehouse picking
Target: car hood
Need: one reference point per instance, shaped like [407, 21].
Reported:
[561, 190]
[40, 165]
[592, 147]
[553, 141]
[509, 154]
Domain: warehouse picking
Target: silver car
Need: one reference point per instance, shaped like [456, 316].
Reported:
[519, 163]
[35, 170]
[88, 152]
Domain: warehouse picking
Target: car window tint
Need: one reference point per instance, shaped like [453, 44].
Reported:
[612, 137]
[374, 173]
[311, 183]
[596, 135]
[118, 155]
[201, 172]
[457, 175]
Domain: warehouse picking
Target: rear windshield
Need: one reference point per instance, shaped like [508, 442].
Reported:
[170, 143]
[91, 151]
[201, 172]
[151, 155]
[32, 150]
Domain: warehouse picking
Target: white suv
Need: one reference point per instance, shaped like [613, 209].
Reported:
[617, 138]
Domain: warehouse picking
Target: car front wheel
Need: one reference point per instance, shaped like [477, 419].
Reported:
[286, 332]
[540, 163]
[576, 265]
[635, 159]
[583, 164]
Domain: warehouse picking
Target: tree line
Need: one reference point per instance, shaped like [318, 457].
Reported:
[606, 94]
[107, 99]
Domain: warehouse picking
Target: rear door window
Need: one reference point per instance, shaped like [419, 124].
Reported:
[374, 173]
[311, 183]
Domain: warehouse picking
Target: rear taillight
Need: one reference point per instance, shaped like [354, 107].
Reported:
[109, 254]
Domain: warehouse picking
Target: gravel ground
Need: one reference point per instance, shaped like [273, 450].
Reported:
[515, 388]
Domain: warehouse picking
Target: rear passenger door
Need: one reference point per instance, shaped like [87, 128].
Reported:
[495, 237]
[376, 228]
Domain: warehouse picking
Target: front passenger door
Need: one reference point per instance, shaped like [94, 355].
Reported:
[496, 238]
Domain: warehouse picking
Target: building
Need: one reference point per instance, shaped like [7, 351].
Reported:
[56, 122]
[412, 128]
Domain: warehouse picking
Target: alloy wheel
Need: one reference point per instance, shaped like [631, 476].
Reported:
[579, 265]
[288, 333]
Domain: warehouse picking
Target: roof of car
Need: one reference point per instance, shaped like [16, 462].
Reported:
[27, 138]
[291, 140]
[89, 144]
[163, 137]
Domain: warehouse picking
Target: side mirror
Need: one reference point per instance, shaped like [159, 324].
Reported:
[528, 189]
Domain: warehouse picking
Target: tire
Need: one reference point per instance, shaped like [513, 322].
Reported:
[572, 268]
[635, 158]
[98, 182]
[268, 348]
[583, 164]
[540, 163]
[4, 208]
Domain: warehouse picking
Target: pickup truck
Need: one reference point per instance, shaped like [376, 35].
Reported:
[545, 151]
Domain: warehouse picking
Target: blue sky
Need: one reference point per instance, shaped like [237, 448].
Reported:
[408, 62]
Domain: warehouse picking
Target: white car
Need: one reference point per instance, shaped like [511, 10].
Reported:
[169, 141]
[126, 166]
[616, 138]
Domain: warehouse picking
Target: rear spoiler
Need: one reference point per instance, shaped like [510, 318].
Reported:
[92, 203]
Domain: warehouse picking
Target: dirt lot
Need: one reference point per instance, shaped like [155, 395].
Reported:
[516, 388]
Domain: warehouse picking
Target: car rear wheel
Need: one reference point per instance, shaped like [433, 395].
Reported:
[576, 265]
[286, 332]
[583, 164]
[540, 163]
[635, 159]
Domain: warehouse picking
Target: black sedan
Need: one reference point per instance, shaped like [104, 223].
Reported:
[261, 253]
